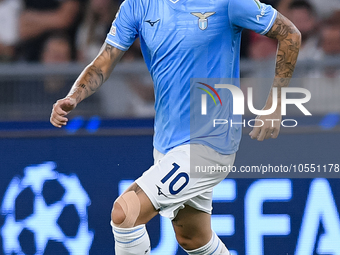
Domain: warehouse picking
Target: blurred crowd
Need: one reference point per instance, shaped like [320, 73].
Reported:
[63, 31]
[318, 22]
[55, 31]
[73, 30]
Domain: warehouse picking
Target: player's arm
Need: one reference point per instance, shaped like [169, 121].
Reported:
[92, 77]
[289, 42]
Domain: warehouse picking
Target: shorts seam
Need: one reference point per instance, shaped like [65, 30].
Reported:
[149, 194]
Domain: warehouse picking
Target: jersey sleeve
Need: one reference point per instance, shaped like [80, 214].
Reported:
[124, 29]
[252, 14]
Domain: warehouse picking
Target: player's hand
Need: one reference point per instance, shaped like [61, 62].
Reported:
[60, 109]
[269, 129]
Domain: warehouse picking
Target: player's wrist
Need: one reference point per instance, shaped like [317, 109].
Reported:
[72, 100]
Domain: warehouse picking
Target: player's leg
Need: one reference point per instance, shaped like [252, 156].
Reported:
[167, 186]
[193, 223]
[194, 234]
[147, 211]
[129, 214]
[128, 217]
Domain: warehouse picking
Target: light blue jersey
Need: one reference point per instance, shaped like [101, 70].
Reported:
[184, 40]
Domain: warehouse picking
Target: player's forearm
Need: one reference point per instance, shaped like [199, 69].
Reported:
[96, 73]
[288, 49]
[289, 38]
[87, 83]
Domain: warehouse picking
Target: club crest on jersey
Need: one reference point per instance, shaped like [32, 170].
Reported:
[203, 19]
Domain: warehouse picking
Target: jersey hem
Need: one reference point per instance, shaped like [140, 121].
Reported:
[165, 151]
[114, 44]
[223, 152]
[271, 23]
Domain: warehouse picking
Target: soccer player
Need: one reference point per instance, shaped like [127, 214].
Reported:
[182, 40]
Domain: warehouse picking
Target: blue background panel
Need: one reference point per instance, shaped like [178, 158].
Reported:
[252, 216]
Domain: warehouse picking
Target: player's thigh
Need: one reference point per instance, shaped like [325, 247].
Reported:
[192, 228]
[147, 210]
[170, 182]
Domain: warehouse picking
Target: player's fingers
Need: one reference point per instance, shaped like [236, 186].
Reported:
[275, 133]
[54, 123]
[53, 120]
[59, 110]
[262, 134]
[58, 123]
[58, 119]
[269, 133]
[255, 132]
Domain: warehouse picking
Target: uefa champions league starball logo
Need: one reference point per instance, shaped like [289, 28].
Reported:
[43, 222]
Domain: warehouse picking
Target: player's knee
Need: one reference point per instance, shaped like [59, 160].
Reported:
[117, 214]
[183, 241]
[126, 210]
[191, 240]
[187, 242]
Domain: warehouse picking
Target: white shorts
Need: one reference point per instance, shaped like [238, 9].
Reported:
[185, 175]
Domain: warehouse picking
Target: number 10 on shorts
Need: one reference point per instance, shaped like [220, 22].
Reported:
[180, 175]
